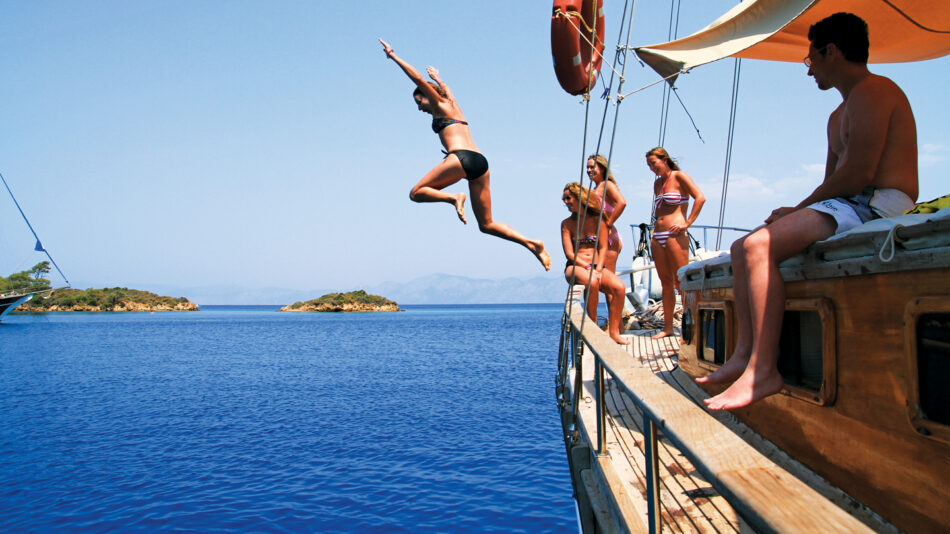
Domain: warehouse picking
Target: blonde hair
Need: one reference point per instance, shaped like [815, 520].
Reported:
[604, 167]
[590, 202]
[663, 155]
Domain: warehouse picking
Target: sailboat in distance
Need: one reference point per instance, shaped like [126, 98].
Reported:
[23, 286]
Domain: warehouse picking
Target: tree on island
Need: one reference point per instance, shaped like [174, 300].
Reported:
[29, 281]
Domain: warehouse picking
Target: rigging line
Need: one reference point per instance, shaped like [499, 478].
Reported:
[671, 32]
[39, 246]
[730, 138]
[600, 215]
[649, 85]
[698, 134]
[912, 21]
[581, 214]
[560, 13]
[603, 121]
[580, 218]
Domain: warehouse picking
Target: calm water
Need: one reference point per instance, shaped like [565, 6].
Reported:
[441, 418]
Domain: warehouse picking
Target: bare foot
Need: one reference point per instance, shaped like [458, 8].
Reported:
[460, 207]
[620, 339]
[728, 372]
[662, 334]
[746, 390]
[537, 247]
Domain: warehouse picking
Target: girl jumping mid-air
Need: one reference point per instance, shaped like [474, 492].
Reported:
[463, 159]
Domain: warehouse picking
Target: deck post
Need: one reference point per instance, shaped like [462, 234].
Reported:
[601, 407]
[653, 474]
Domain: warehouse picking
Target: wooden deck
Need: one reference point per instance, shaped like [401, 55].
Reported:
[777, 492]
[688, 502]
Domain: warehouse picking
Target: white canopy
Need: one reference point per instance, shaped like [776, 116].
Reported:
[777, 30]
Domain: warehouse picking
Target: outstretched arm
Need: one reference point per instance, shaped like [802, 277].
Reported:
[434, 74]
[411, 72]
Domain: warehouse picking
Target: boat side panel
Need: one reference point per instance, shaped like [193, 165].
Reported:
[864, 441]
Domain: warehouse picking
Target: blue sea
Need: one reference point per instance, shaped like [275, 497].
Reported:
[436, 419]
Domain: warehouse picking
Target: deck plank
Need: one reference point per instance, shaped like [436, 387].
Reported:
[688, 504]
[694, 504]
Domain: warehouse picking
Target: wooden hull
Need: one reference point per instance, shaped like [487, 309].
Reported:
[862, 430]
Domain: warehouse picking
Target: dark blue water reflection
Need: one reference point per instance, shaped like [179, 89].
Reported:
[440, 418]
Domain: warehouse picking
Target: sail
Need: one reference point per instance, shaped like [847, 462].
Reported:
[777, 30]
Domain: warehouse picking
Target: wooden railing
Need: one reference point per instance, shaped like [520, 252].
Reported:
[767, 497]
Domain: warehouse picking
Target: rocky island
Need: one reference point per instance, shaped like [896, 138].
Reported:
[45, 298]
[354, 301]
[116, 299]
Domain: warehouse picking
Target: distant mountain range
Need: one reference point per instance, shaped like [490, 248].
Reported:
[449, 289]
[431, 289]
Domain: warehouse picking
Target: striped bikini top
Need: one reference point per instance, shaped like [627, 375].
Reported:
[672, 199]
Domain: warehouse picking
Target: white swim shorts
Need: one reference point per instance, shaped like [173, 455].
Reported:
[871, 203]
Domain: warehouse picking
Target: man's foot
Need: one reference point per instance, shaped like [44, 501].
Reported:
[728, 372]
[537, 248]
[460, 207]
[662, 334]
[747, 389]
[620, 339]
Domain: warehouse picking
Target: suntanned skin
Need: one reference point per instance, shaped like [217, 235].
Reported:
[581, 260]
[449, 171]
[872, 141]
[669, 257]
[607, 190]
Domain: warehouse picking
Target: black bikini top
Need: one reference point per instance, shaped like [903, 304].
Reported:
[439, 123]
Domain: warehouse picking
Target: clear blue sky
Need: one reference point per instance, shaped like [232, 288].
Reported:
[272, 144]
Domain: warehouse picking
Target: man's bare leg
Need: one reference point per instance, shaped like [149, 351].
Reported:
[736, 363]
[764, 250]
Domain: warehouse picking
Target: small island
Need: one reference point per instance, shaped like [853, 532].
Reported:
[47, 299]
[117, 299]
[354, 301]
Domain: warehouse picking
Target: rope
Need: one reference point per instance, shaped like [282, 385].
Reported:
[730, 137]
[912, 21]
[569, 15]
[581, 213]
[891, 239]
[581, 217]
[652, 317]
[698, 134]
[39, 246]
[665, 101]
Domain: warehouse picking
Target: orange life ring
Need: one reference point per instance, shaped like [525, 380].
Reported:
[571, 32]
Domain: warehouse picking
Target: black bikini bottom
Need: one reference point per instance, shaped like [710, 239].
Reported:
[473, 163]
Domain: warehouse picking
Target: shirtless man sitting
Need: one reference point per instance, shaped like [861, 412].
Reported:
[871, 172]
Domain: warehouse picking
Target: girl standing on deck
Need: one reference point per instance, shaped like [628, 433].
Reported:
[463, 160]
[670, 244]
[586, 263]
